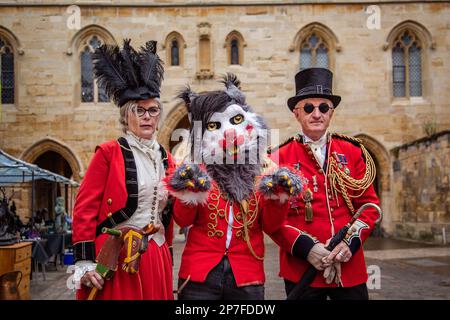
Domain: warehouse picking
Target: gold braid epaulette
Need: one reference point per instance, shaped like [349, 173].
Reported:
[341, 181]
[288, 140]
[357, 142]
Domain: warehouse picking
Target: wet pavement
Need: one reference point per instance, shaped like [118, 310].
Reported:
[397, 270]
[375, 243]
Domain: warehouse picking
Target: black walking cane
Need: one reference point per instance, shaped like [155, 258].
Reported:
[310, 273]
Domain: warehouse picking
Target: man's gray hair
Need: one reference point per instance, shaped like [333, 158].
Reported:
[132, 105]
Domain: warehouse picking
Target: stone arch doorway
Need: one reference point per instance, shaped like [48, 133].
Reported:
[57, 157]
[47, 191]
[175, 131]
[381, 159]
[51, 144]
[376, 182]
[382, 181]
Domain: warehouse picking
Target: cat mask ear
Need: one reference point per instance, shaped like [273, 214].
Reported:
[233, 88]
[187, 95]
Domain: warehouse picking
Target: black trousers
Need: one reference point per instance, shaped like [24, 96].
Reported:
[358, 292]
[220, 285]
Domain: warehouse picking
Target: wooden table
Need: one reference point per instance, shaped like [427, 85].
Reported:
[17, 257]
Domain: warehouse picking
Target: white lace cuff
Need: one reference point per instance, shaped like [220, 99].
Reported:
[81, 267]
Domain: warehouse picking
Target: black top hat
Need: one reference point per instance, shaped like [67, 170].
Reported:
[313, 83]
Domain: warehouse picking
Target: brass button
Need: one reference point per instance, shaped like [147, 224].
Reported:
[109, 201]
[331, 209]
[109, 214]
[320, 171]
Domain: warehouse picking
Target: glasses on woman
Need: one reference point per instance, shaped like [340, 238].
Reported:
[323, 107]
[152, 111]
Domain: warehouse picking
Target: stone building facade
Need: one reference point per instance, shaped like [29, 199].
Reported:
[390, 61]
[422, 188]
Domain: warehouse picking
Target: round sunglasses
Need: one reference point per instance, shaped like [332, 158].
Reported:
[323, 107]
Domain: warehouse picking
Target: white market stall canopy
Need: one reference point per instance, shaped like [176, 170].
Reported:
[13, 170]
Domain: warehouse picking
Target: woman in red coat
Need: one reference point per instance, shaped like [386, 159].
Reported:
[122, 186]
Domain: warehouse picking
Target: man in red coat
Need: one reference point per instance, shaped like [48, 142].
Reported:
[339, 174]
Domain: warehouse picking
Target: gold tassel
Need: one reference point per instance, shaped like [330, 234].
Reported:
[307, 197]
[308, 212]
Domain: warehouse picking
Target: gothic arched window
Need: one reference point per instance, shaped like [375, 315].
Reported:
[407, 65]
[316, 45]
[174, 46]
[314, 52]
[235, 48]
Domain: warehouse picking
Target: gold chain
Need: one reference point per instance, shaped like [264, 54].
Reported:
[247, 224]
[345, 181]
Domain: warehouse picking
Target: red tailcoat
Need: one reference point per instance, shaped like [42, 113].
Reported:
[328, 210]
[206, 242]
[102, 192]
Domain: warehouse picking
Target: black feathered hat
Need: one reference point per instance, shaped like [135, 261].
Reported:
[127, 74]
[313, 83]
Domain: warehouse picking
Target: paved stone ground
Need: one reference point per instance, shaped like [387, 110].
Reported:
[408, 271]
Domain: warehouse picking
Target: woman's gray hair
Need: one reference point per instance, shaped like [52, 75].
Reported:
[132, 105]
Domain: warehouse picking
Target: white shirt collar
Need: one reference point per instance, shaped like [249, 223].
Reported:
[149, 143]
[320, 143]
[148, 146]
[319, 147]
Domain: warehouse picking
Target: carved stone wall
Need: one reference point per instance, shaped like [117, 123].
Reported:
[422, 188]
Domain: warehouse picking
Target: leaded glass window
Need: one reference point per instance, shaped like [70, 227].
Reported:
[175, 53]
[87, 77]
[322, 56]
[90, 91]
[415, 71]
[234, 51]
[7, 72]
[398, 71]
